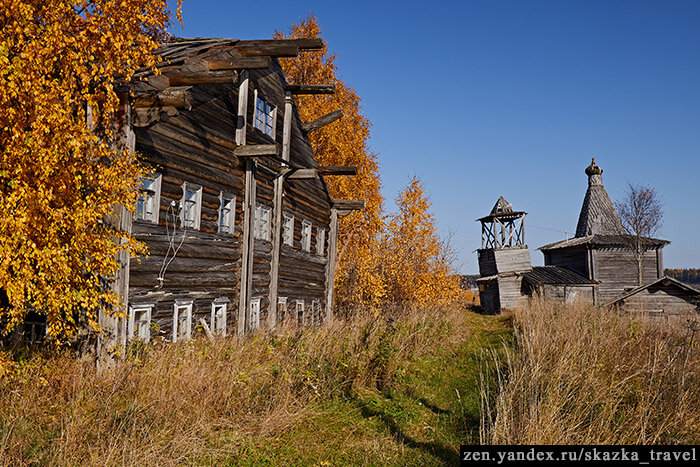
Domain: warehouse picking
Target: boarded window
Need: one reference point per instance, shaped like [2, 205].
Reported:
[182, 320]
[227, 213]
[300, 312]
[148, 203]
[265, 115]
[315, 315]
[191, 206]
[288, 230]
[139, 325]
[281, 309]
[254, 318]
[218, 316]
[306, 236]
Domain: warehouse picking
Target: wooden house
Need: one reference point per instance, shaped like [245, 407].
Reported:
[236, 214]
[665, 299]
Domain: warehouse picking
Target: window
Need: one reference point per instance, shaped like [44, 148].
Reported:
[191, 206]
[254, 318]
[262, 222]
[218, 316]
[281, 309]
[139, 325]
[227, 213]
[288, 230]
[265, 115]
[315, 317]
[148, 203]
[300, 312]
[320, 240]
[306, 236]
[182, 320]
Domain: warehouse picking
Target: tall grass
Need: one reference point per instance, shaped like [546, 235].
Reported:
[581, 374]
[200, 401]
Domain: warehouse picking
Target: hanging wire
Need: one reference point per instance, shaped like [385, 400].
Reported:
[174, 211]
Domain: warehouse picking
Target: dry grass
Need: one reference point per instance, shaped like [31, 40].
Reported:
[202, 402]
[581, 374]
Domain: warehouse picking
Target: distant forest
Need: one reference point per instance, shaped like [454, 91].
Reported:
[689, 276]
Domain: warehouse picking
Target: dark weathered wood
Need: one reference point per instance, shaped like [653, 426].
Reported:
[351, 204]
[272, 50]
[255, 150]
[313, 43]
[311, 88]
[338, 170]
[243, 63]
[322, 121]
[184, 78]
[176, 97]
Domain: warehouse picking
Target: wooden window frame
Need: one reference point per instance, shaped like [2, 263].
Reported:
[188, 306]
[299, 306]
[288, 230]
[262, 231]
[315, 307]
[281, 313]
[130, 328]
[219, 327]
[268, 124]
[254, 314]
[306, 228]
[153, 218]
[197, 190]
[227, 199]
[320, 240]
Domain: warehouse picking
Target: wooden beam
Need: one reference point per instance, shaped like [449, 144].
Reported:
[349, 204]
[175, 97]
[312, 43]
[322, 121]
[271, 50]
[253, 150]
[248, 243]
[330, 265]
[299, 174]
[338, 170]
[244, 63]
[189, 78]
[311, 88]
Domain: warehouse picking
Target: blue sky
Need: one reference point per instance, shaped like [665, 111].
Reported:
[485, 98]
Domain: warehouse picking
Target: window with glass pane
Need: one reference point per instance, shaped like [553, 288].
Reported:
[306, 236]
[148, 203]
[300, 312]
[264, 118]
[191, 206]
[218, 316]
[254, 314]
[182, 321]
[320, 240]
[227, 212]
[261, 228]
[139, 326]
[281, 309]
[288, 230]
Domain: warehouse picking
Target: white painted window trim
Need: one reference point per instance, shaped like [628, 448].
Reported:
[320, 241]
[156, 179]
[186, 186]
[281, 314]
[299, 311]
[262, 230]
[315, 307]
[306, 236]
[272, 115]
[221, 302]
[133, 311]
[254, 314]
[187, 306]
[288, 230]
[224, 199]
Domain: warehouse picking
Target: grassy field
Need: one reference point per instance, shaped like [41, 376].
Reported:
[400, 391]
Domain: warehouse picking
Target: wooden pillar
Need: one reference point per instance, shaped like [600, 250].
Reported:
[330, 264]
[248, 246]
[242, 109]
[659, 263]
[277, 223]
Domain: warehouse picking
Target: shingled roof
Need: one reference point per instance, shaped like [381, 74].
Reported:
[598, 215]
[604, 240]
[555, 275]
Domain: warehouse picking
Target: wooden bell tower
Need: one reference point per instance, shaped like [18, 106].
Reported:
[503, 257]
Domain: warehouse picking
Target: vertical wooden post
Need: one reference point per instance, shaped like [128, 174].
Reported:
[248, 207]
[330, 264]
[242, 122]
[659, 263]
[277, 206]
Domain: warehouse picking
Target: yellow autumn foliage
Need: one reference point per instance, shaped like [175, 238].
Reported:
[344, 142]
[60, 179]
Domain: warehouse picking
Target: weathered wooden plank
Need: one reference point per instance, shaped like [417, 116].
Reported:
[257, 150]
[322, 121]
[175, 97]
[242, 63]
[185, 78]
[311, 88]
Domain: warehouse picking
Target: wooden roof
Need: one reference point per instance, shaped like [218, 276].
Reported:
[665, 280]
[598, 214]
[602, 240]
[555, 275]
[502, 210]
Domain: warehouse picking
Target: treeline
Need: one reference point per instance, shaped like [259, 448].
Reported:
[689, 276]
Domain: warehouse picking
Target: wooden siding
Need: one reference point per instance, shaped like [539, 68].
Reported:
[568, 293]
[572, 258]
[488, 297]
[501, 260]
[662, 302]
[616, 270]
[509, 291]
